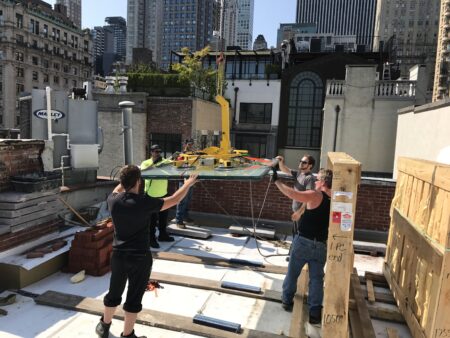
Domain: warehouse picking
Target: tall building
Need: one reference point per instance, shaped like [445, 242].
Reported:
[118, 25]
[238, 23]
[260, 43]
[38, 47]
[169, 25]
[190, 24]
[410, 28]
[441, 87]
[144, 29]
[73, 10]
[244, 23]
[109, 44]
[340, 17]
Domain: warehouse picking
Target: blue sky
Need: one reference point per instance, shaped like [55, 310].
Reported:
[268, 14]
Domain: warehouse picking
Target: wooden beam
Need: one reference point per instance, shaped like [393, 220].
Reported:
[206, 284]
[346, 177]
[370, 291]
[173, 256]
[391, 332]
[300, 309]
[361, 307]
[153, 318]
[380, 312]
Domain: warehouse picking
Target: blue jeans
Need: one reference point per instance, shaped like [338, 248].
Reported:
[182, 207]
[306, 251]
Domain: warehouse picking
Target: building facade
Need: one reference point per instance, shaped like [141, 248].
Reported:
[288, 31]
[163, 26]
[441, 75]
[119, 28]
[38, 48]
[190, 24]
[260, 43]
[244, 24]
[109, 44]
[410, 28]
[73, 10]
[340, 17]
[144, 27]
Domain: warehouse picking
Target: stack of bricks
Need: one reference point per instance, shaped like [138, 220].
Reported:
[91, 250]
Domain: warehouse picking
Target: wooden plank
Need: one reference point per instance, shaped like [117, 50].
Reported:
[300, 309]
[346, 177]
[442, 177]
[206, 284]
[173, 256]
[370, 291]
[376, 277]
[441, 325]
[153, 318]
[391, 332]
[355, 322]
[421, 169]
[362, 309]
[380, 312]
[414, 326]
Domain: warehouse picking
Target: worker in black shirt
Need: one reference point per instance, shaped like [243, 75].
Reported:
[309, 246]
[131, 258]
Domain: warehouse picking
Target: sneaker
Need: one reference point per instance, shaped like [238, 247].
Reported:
[287, 307]
[188, 220]
[164, 237]
[132, 335]
[181, 225]
[154, 244]
[102, 329]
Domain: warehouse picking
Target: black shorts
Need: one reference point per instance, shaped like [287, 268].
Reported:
[134, 267]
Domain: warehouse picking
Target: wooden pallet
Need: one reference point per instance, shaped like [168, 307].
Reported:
[417, 264]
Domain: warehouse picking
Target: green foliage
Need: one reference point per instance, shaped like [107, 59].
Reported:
[273, 69]
[143, 68]
[159, 84]
[191, 69]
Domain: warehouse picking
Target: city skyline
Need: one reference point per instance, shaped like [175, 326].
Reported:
[267, 16]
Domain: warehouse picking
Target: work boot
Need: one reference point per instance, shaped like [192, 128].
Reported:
[287, 307]
[164, 237]
[315, 315]
[102, 329]
[181, 225]
[132, 335]
[154, 243]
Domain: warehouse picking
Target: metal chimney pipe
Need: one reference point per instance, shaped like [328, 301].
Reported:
[127, 130]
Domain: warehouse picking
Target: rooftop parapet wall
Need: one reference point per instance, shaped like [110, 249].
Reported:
[372, 213]
[19, 157]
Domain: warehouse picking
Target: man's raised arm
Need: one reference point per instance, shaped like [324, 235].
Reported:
[180, 193]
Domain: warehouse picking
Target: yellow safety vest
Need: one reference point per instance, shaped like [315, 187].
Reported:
[155, 188]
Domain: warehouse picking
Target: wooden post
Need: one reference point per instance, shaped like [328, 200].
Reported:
[346, 178]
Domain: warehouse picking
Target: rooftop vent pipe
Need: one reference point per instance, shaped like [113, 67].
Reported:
[127, 130]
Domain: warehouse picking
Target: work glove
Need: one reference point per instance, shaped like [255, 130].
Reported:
[274, 174]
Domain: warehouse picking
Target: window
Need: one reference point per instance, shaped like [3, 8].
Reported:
[20, 72]
[169, 143]
[255, 144]
[19, 88]
[35, 60]
[19, 20]
[19, 56]
[260, 113]
[35, 76]
[56, 80]
[305, 111]
[45, 78]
